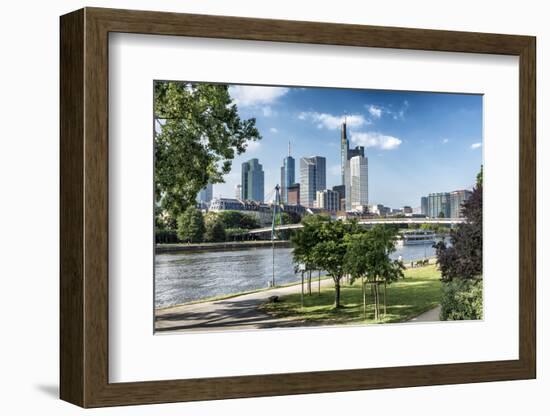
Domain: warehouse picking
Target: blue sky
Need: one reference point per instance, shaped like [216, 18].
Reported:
[416, 142]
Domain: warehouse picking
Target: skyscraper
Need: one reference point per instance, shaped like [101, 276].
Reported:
[359, 181]
[346, 154]
[424, 205]
[341, 189]
[287, 175]
[313, 178]
[205, 194]
[238, 191]
[457, 199]
[439, 205]
[252, 181]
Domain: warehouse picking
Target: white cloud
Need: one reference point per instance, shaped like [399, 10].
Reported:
[375, 140]
[273, 130]
[375, 111]
[252, 146]
[445, 141]
[246, 96]
[475, 145]
[333, 122]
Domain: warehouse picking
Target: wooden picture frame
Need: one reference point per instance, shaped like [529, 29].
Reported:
[84, 207]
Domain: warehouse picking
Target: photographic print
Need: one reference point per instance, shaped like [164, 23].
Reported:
[280, 207]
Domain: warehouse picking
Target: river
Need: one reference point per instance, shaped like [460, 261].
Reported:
[191, 276]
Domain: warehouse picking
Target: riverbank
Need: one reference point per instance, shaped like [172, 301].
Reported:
[227, 245]
[417, 293]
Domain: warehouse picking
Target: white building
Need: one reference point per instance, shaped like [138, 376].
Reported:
[328, 200]
[359, 181]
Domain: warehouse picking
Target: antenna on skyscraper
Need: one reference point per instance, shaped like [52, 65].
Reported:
[289, 147]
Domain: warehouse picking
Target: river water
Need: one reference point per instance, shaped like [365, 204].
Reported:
[190, 276]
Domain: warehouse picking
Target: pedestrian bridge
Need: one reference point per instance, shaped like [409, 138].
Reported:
[372, 221]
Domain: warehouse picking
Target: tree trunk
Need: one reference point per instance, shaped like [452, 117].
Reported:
[373, 289]
[385, 296]
[319, 283]
[309, 283]
[376, 302]
[336, 293]
[302, 296]
[364, 298]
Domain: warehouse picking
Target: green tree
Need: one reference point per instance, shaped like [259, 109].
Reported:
[236, 219]
[198, 134]
[290, 217]
[479, 177]
[329, 250]
[215, 231]
[463, 259]
[461, 262]
[368, 256]
[191, 225]
[303, 241]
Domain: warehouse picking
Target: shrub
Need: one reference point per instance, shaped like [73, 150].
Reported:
[191, 225]
[215, 232]
[462, 299]
[166, 236]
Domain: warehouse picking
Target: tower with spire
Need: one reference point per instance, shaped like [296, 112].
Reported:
[288, 175]
[346, 155]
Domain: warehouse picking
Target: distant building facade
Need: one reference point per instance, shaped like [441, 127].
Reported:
[379, 209]
[341, 189]
[205, 194]
[288, 177]
[424, 205]
[439, 205]
[407, 210]
[457, 199]
[313, 178]
[238, 191]
[293, 194]
[328, 200]
[359, 181]
[252, 181]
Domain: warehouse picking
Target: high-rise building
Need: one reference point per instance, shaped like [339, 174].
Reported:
[359, 182]
[457, 199]
[238, 191]
[439, 205]
[205, 194]
[313, 178]
[346, 154]
[293, 194]
[407, 210]
[424, 205]
[252, 181]
[328, 200]
[341, 189]
[287, 175]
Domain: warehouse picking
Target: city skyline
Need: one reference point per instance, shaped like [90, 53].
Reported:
[416, 143]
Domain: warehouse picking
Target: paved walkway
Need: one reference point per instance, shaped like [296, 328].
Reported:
[430, 316]
[240, 312]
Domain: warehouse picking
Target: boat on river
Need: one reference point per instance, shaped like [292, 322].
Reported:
[417, 237]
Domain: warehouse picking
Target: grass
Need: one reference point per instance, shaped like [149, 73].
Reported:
[419, 292]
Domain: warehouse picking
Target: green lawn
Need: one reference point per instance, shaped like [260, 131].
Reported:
[418, 292]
